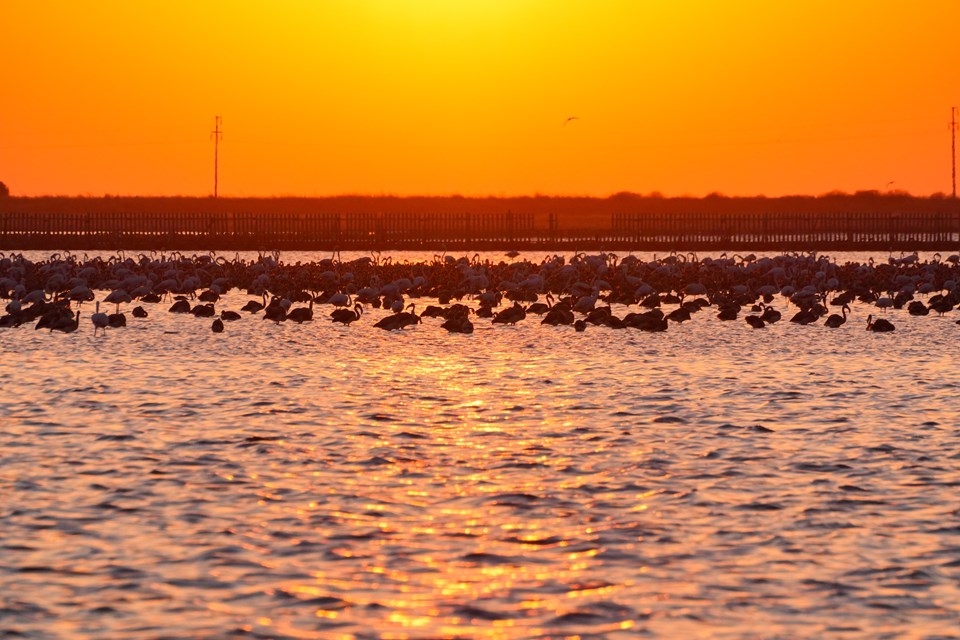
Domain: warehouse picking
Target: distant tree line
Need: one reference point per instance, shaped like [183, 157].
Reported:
[571, 209]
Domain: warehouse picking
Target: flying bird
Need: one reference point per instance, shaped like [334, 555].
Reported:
[569, 119]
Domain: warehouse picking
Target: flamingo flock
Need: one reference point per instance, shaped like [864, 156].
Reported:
[578, 291]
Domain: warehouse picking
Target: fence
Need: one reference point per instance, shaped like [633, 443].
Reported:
[22, 230]
[909, 230]
[640, 231]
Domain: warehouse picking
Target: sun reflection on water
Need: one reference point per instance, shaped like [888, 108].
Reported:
[514, 485]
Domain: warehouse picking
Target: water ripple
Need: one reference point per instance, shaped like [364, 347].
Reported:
[318, 481]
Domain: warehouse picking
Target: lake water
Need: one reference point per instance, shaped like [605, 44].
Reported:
[322, 481]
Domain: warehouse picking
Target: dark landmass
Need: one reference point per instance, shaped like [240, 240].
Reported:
[572, 212]
[864, 220]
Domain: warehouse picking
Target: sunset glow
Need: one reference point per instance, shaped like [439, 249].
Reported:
[475, 97]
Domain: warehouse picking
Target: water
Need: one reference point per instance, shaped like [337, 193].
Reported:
[321, 481]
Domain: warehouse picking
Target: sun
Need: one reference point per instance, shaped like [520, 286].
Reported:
[454, 12]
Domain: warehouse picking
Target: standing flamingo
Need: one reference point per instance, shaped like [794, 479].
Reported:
[99, 320]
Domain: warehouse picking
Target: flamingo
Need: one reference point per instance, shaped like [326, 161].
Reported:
[458, 324]
[116, 320]
[399, 320]
[346, 316]
[80, 294]
[884, 303]
[729, 312]
[99, 320]
[275, 312]
[650, 322]
[433, 311]
[805, 316]
[54, 316]
[203, 310]
[770, 315]
[408, 318]
[510, 315]
[180, 306]
[253, 306]
[541, 308]
[559, 314]
[881, 325]
[301, 314]
[917, 308]
[66, 326]
[388, 323]
[340, 300]
[118, 296]
[835, 320]
[210, 295]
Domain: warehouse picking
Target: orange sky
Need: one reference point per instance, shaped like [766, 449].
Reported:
[405, 97]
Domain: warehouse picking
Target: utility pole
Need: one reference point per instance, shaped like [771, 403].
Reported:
[953, 148]
[217, 134]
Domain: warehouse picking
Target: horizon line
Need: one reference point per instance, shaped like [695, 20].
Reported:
[535, 195]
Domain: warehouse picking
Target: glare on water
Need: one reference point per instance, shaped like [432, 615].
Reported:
[320, 481]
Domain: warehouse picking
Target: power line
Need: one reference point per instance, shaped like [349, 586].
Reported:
[953, 149]
[217, 134]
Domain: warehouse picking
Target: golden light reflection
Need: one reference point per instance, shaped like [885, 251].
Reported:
[412, 621]
[441, 520]
[593, 591]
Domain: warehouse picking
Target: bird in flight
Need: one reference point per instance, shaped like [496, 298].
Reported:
[569, 119]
